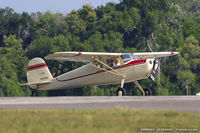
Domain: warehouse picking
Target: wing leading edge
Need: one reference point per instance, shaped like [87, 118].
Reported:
[89, 56]
[146, 55]
[80, 56]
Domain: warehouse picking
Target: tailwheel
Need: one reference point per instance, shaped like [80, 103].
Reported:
[33, 92]
[121, 92]
[148, 92]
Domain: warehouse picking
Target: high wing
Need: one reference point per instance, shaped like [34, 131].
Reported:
[89, 56]
[80, 56]
[148, 55]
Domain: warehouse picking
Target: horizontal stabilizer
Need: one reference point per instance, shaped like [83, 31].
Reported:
[36, 83]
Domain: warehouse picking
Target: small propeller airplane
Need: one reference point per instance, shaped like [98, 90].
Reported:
[102, 69]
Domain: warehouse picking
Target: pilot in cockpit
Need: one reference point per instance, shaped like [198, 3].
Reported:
[115, 62]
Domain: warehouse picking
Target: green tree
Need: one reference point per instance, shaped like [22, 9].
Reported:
[113, 41]
[189, 65]
[75, 25]
[96, 42]
[40, 47]
[9, 85]
[13, 67]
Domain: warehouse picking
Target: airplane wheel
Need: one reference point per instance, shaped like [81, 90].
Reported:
[33, 93]
[121, 92]
[148, 92]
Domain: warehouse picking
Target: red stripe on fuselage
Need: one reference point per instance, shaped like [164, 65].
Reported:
[135, 62]
[37, 66]
[131, 63]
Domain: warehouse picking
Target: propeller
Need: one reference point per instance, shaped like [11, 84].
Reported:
[155, 66]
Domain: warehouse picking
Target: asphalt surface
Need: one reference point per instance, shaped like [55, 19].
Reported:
[176, 103]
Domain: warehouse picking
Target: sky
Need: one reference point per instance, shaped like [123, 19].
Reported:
[61, 6]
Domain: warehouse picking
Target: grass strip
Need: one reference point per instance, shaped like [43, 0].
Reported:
[95, 121]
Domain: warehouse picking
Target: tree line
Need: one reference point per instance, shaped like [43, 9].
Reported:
[130, 26]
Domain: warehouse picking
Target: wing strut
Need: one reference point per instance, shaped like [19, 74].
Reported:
[138, 85]
[113, 71]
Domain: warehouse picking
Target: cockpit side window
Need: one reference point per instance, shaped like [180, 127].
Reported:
[133, 56]
[126, 57]
[112, 62]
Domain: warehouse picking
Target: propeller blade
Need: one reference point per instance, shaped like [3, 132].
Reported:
[152, 76]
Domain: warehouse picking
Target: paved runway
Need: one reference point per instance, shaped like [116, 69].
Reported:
[177, 103]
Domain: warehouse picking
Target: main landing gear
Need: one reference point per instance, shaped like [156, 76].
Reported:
[146, 91]
[122, 92]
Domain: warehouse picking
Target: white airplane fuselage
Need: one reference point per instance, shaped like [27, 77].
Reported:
[88, 75]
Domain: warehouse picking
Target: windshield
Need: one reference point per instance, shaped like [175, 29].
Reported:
[126, 57]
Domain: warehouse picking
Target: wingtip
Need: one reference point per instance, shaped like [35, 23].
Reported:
[174, 53]
[48, 57]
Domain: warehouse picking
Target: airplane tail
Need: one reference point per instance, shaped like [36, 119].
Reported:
[38, 73]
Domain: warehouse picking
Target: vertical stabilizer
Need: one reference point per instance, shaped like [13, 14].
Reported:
[37, 72]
